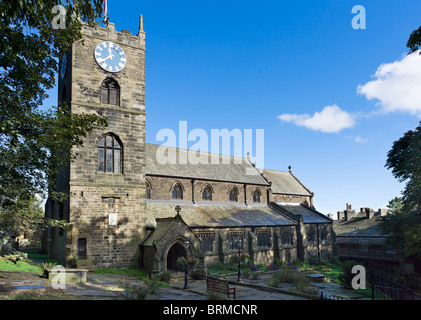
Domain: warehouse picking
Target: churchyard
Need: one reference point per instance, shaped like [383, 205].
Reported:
[22, 278]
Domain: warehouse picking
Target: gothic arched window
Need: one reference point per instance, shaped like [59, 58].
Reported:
[287, 238]
[323, 234]
[110, 92]
[256, 195]
[177, 191]
[233, 195]
[110, 154]
[207, 193]
[311, 234]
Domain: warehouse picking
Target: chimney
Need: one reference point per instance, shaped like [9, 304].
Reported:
[340, 215]
[382, 212]
[330, 215]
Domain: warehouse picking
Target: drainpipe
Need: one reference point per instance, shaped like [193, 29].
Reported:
[192, 190]
[245, 194]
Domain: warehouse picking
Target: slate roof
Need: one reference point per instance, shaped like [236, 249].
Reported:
[161, 229]
[236, 170]
[285, 183]
[358, 225]
[211, 214]
[309, 215]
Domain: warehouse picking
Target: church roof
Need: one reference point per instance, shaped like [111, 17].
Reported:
[285, 183]
[309, 215]
[236, 169]
[211, 214]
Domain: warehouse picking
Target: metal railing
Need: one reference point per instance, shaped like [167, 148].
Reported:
[384, 288]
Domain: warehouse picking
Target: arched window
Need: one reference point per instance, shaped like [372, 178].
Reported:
[148, 190]
[256, 196]
[177, 192]
[287, 238]
[311, 234]
[233, 194]
[207, 193]
[110, 153]
[323, 234]
[110, 92]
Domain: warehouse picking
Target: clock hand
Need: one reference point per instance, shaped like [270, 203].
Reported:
[107, 58]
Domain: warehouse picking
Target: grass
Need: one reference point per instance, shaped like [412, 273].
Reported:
[123, 272]
[6, 265]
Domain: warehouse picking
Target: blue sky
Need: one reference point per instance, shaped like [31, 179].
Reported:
[242, 64]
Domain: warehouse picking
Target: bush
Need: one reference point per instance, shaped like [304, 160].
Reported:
[153, 285]
[345, 277]
[165, 276]
[199, 273]
[136, 293]
[212, 295]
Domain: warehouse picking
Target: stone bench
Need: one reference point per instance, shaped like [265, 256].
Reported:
[72, 275]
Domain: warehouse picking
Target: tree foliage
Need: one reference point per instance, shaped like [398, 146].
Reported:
[414, 41]
[403, 223]
[35, 140]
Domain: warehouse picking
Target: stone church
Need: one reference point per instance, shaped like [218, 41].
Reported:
[126, 209]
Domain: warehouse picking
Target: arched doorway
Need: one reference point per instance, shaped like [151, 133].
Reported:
[176, 250]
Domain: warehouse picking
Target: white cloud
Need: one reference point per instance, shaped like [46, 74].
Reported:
[396, 86]
[359, 139]
[330, 119]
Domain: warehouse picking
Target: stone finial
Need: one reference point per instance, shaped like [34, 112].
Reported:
[289, 168]
[141, 23]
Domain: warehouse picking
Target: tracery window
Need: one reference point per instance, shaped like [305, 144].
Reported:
[110, 154]
[256, 196]
[207, 241]
[110, 92]
[233, 195]
[177, 192]
[207, 193]
[263, 238]
[311, 234]
[287, 238]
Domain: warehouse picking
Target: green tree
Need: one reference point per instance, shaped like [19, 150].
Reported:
[403, 224]
[414, 41]
[35, 141]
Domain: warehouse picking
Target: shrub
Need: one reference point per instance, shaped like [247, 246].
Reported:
[212, 295]
[199, 273]
[255, 275]
[345, 277]
[153, 285]
[165, 276]
[136, 293]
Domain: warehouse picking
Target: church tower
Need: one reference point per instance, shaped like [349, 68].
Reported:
[104, 74]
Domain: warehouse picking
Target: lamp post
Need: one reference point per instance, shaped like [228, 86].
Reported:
[186, 246]
[240, 242]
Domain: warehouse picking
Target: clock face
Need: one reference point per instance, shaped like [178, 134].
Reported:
[63, 66]
[110, 56]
